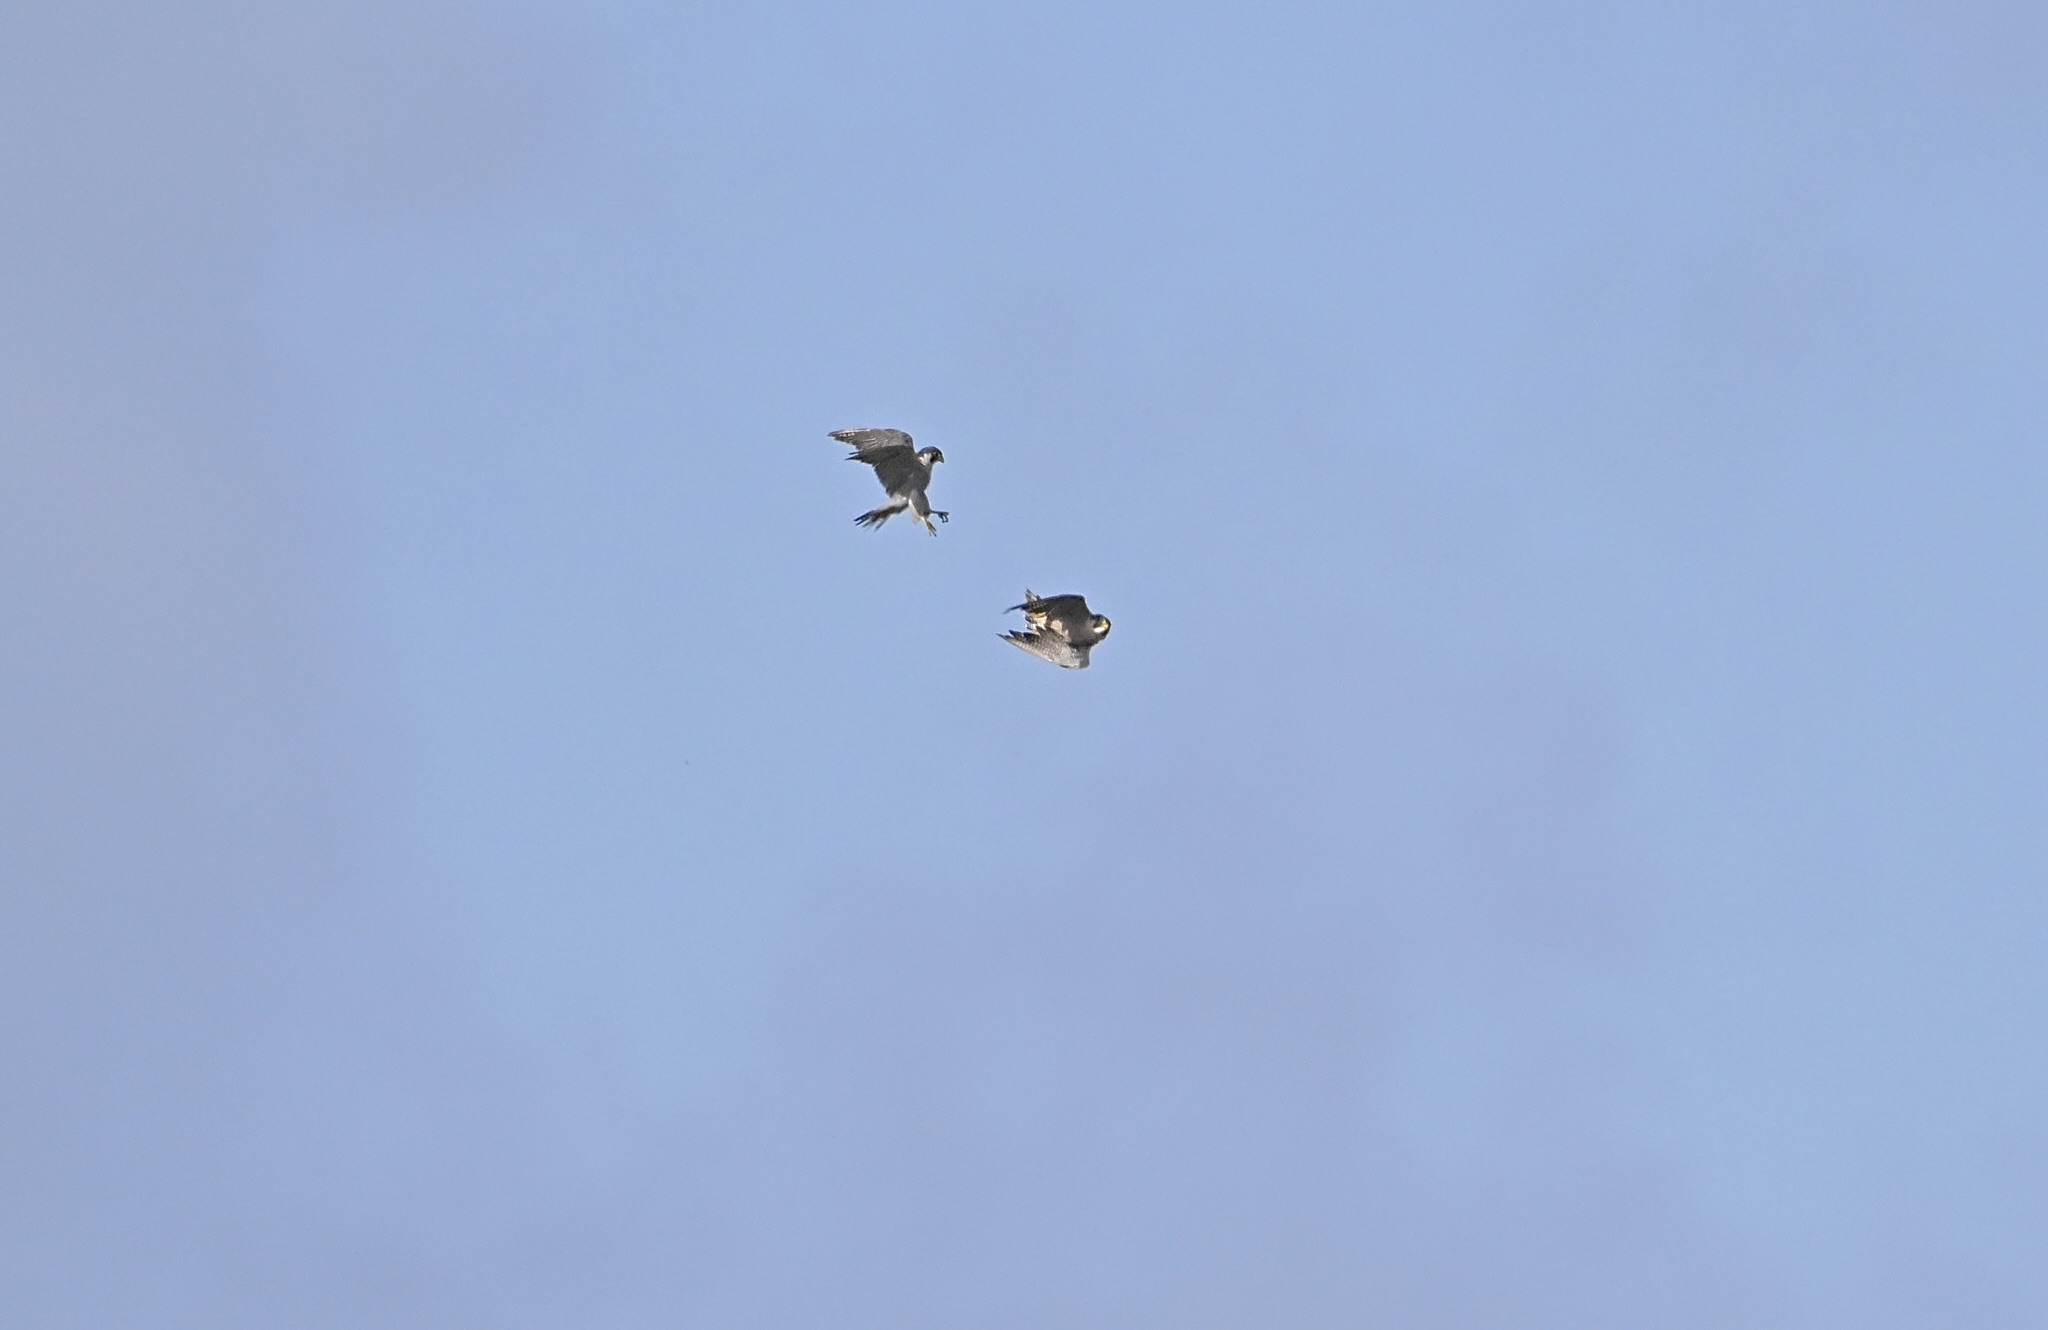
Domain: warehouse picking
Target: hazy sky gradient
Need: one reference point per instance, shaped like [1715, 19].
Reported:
[1556, 838]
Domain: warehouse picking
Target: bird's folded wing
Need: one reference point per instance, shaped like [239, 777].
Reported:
[1056, 606]
[1067, 616]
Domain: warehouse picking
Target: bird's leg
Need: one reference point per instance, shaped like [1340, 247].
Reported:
[943, 517]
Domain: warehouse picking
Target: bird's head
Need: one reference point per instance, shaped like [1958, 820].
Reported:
[1102, 625]
[931, 456]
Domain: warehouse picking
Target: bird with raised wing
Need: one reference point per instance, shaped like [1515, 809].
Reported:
[1062, 629]
[903, 470]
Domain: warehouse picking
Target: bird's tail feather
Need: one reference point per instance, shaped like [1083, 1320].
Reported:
[874, 517]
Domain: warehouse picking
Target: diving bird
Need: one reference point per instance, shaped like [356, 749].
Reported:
[1062, 629]
[904, 473]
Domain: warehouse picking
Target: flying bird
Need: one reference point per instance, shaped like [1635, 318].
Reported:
[1062, 629]
[903, 471]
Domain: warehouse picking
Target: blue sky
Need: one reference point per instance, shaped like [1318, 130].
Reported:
[1554, 839]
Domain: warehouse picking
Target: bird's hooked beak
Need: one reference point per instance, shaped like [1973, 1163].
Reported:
[1101, 626]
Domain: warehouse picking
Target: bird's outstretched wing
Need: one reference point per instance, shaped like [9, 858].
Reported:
[868, 444]
[889, 452]
[1052, 647]
[869, 436]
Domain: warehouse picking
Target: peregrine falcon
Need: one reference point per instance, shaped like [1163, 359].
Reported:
[1062, 629]
[904, 473]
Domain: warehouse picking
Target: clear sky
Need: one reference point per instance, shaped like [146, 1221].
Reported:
[1556, 839]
